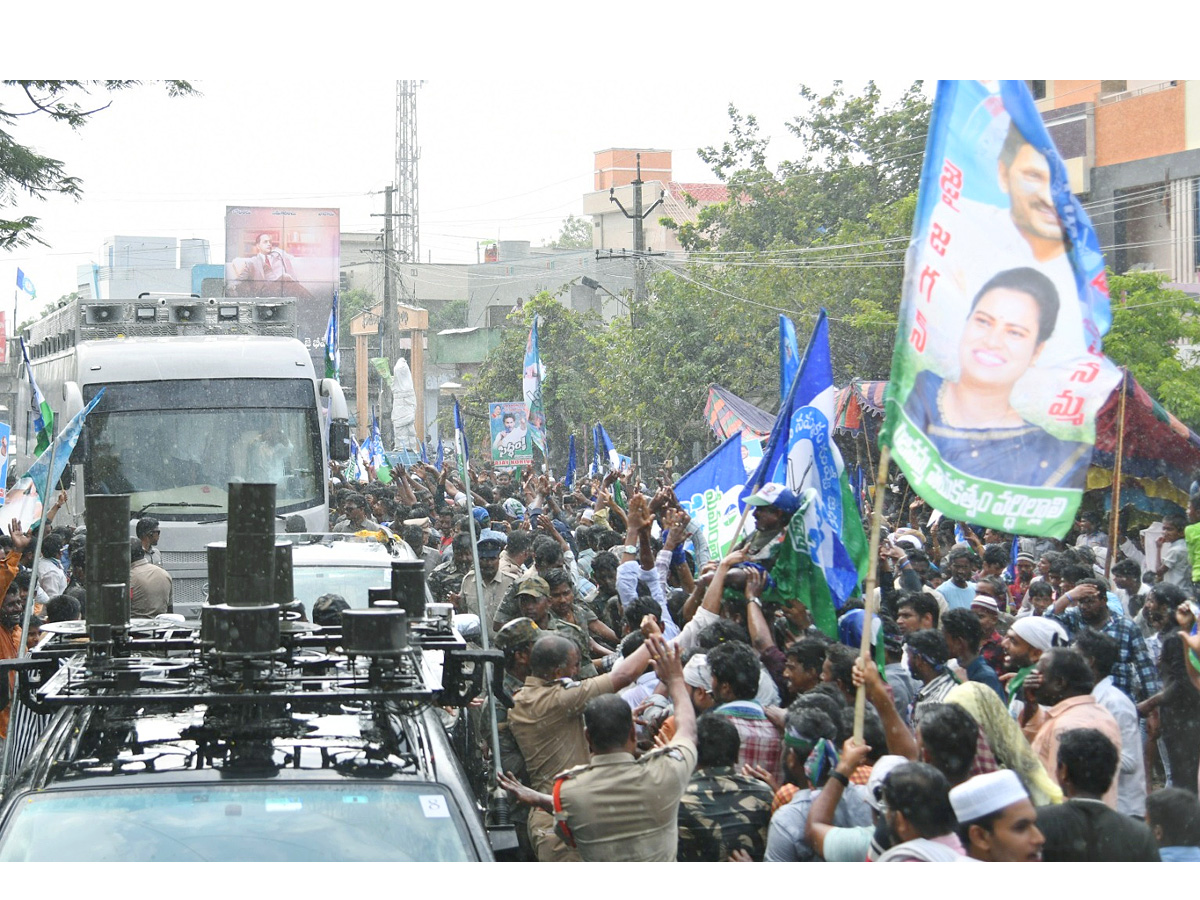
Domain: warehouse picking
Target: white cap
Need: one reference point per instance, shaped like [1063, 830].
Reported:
[588, 514]
[1039, 632]
[882, 768]
[697, 673]
[983, 601]
[985, 794]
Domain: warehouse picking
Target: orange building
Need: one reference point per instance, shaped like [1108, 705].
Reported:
[1132, 150]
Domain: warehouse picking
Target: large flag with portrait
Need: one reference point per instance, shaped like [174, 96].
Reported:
[998, 372]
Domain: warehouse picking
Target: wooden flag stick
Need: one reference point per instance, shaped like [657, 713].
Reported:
[1115, 513]
[864, 649]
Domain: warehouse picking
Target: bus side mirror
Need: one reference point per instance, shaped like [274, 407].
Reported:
[339, 440]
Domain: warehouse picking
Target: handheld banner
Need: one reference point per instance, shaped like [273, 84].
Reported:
[998, 372]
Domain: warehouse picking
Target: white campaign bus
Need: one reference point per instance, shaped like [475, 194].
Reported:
[198, 394]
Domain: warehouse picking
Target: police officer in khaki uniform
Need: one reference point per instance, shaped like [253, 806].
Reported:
[495, 584]
[618, 807]
[547, 722]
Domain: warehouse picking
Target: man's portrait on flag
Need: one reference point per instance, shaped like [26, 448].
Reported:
[998, 372]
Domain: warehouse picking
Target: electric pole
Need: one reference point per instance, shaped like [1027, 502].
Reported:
[389, 331]
[639, 238]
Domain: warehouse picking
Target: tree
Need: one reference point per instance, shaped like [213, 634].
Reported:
[1155, 333]
[575, 234]
[451, 314]
[24, 171]
[352, 304]
[572, 346]
[826, 230]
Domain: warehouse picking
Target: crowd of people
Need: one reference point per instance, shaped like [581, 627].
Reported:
[1022, 704]
[1026, 699]
[58, 595]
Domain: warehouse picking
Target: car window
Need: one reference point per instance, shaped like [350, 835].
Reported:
[281, 822]
[349, 582]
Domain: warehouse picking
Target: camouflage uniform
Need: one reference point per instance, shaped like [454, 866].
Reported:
[446, 579]
[587, 669]
[722, 811]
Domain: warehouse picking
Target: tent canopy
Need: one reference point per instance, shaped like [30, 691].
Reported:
[1160, 452]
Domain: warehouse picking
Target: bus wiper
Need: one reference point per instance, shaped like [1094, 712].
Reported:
[160, 505]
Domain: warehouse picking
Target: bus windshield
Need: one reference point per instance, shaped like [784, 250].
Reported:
[174, 446]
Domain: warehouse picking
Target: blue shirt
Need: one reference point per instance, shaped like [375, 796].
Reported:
[979, 670]
[1135, 672]
[1179, 854]
[956, 597]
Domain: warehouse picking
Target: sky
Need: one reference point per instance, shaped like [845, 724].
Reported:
[491, 167]
[514, 102]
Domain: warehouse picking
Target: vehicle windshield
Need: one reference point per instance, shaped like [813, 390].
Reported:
[348, 582]
[287, 821]
[174, 446]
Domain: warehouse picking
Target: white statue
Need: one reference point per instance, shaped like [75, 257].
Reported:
[404, 408]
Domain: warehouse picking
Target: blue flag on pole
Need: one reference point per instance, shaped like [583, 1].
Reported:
[441, 456]
[709, 494]
[25, 283]
[43, 415]
[801, 456]
[333, 352]
[789, 355]
[424, 453]
[354, 470]
[1010, 573]
[531, 385]
[460, 445]
[66, 441]
[569, 478]
[596, 450]
[605, 449]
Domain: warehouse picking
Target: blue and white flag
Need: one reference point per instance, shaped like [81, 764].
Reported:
[25, 283]
[460, 442]
[801, 456]
[569, 477]
[533, 374]
[374, 447]
[333, 352]
[424, 453]
[789, 355]
[709, 494]
[441, 456]
[354, 470]
[1010, 573]
[605, 449]
[43, 415]
[596, 467]
[64, 444]
[999, 371]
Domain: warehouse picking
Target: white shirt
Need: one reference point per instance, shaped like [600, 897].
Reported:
[1131, 778]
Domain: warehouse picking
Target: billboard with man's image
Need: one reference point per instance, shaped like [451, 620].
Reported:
[285, 252]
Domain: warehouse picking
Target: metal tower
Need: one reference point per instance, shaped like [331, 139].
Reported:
[408, 153]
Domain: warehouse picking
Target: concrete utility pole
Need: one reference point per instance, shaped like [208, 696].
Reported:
[389, 332]
[639, 238]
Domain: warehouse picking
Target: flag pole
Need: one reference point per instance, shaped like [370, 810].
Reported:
[864, 649]
[481, 605]
[1115, 513]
